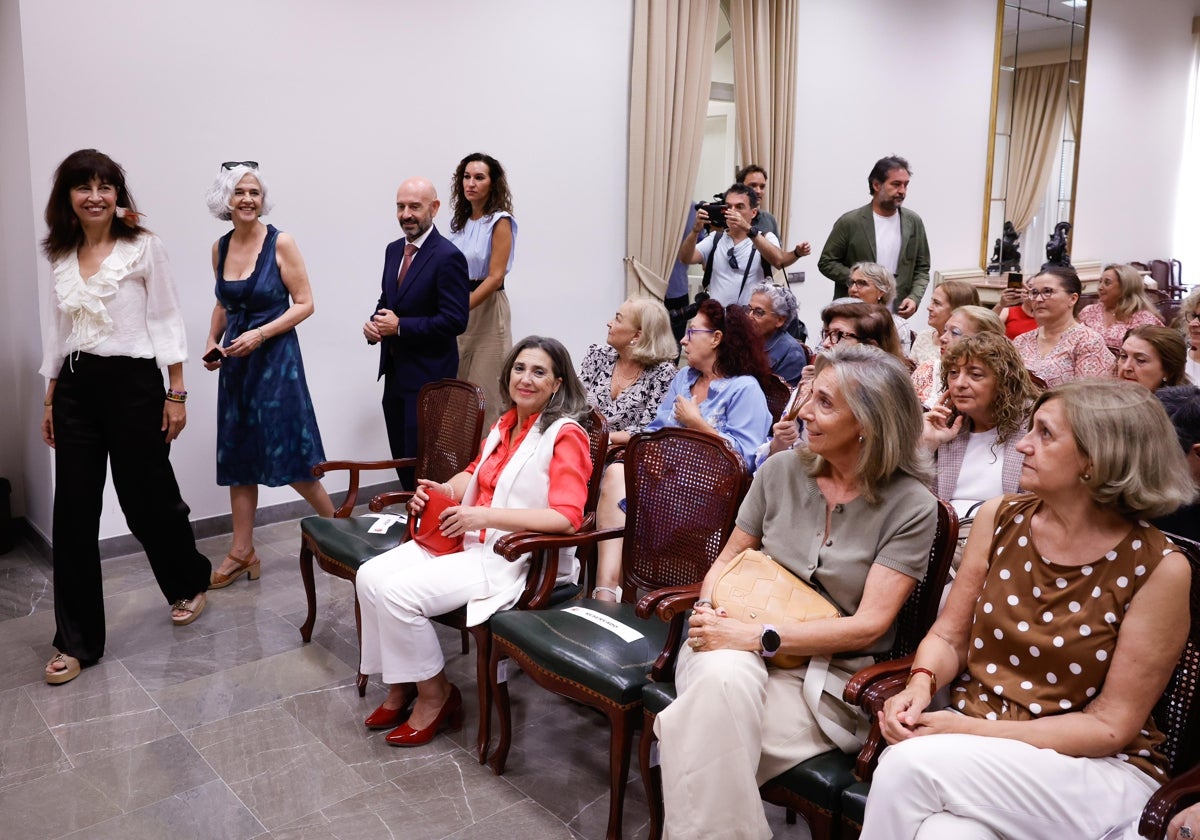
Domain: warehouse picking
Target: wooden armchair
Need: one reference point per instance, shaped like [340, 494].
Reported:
[683, 489]
[1177, 714]
[814, 787]
[450, 426]
[777, 393]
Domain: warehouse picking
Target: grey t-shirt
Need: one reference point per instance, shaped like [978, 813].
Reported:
[786, 510]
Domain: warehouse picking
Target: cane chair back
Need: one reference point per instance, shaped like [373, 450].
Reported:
[1178, 710]
[777, 393]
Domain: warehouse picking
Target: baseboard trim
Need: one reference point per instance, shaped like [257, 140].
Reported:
[212, 526]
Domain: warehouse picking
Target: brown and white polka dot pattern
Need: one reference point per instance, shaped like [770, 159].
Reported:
[1044, 633]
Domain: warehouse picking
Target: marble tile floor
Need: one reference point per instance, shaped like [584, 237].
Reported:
[233, 728]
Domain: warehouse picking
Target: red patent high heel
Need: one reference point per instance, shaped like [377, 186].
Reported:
[449, 718]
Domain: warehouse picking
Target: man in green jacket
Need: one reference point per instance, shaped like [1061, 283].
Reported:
[884, 233]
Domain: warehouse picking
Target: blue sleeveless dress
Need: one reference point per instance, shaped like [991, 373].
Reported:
[266, 428]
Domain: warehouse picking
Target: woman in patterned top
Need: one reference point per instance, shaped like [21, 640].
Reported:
[1061, 348]
[1123, 305]
[1061, 631]
[627, 376]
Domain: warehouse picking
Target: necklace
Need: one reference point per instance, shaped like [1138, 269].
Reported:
[620, 382]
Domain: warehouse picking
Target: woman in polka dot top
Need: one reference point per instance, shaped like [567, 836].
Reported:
[1061, 630]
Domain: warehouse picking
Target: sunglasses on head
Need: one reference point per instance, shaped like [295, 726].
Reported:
[234, 164]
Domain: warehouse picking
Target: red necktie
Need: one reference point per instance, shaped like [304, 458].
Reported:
[409, 250]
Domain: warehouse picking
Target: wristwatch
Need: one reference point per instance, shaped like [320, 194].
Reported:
[755, 232]
[769, 642]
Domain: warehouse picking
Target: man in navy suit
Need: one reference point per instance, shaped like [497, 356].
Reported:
[422, 309]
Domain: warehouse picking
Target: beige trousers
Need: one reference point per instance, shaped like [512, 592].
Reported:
[481, 350]
[736, 725]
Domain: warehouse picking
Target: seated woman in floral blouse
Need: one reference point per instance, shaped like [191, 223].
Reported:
[627, 376]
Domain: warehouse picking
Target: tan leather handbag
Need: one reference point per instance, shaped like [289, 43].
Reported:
[754, 588]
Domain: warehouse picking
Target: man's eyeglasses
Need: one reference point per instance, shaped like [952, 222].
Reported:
[234, 164]
[693, 330]
[836, 336]
[732, 259]
[1041, 294]
[756, 311]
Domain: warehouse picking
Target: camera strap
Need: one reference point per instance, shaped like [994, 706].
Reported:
[709, 262]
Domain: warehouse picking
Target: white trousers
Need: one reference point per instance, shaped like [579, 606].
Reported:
[970, 787]
[397, 591]
[735, 725]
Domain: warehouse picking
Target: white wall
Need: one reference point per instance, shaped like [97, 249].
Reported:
[24, 459]
[1131, 148]
[340, 102]
[879, 78]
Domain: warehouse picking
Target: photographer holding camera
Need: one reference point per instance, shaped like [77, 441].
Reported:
[737, 256]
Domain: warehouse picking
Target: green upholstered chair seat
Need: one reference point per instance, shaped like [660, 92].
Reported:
[854, 802]
[820, 780]
[583, 652]
[657, 696]
[348, 541]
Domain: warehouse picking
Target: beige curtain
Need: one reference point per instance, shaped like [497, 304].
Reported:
[673, 42]
[765, 36]
[1074, 97]
[1039, 103]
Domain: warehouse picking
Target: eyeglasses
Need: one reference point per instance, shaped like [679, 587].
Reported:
[693, 330]
[732, 259]
[756, 311]
[234, 164]
[1041, 294]
[1192, 316]
[836, 336]
[859, 284]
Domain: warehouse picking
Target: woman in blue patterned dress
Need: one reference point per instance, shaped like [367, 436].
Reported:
[266, 428]
[484, 229]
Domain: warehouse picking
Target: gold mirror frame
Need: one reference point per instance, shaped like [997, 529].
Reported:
[985, 240]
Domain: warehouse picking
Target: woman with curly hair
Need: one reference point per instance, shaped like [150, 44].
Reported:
[966, 320]
[1123, 305]
[974, 429]
[484, 229]
[719, 393]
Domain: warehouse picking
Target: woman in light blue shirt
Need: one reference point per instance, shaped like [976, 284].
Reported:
[484, 229]
[719, 392]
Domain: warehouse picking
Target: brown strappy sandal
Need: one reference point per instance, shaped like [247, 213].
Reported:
[248, 566]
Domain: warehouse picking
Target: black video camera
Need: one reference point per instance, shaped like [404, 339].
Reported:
[715, 210]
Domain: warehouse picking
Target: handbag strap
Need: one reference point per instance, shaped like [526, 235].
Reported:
[818, 680]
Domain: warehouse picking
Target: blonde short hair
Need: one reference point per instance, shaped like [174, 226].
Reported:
[657, 343]
[879, 392]
[1136, 466]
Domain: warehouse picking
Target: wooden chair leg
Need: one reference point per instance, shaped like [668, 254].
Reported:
[651, 776]
[310, 591]
[466, 643]
[483, 676]
[620, 747]
[361, 680]
[822, 824]
[503, 711]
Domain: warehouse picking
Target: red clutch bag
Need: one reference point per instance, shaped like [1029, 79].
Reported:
[428, 534]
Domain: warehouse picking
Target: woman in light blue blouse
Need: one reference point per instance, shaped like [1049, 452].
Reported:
[719, 392]
[484, 229]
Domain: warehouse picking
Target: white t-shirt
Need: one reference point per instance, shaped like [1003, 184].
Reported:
[982, 473]
[727, 280]
[887, 240]
[1192, 369]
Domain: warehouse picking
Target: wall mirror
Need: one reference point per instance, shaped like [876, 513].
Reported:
[1037, 111]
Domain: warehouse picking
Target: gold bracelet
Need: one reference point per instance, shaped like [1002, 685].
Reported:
[47, 403]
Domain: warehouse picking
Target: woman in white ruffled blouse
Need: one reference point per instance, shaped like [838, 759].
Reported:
[113, 321]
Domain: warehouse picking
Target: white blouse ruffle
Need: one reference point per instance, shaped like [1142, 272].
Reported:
[85, 301]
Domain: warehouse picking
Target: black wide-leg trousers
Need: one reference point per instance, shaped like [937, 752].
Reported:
[109, 410]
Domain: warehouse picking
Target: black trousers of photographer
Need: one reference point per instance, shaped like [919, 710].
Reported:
[109, 410]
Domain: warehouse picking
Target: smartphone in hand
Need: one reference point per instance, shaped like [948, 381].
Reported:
[213, 355]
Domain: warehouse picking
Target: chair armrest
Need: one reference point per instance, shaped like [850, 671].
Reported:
[669, 601]
[395, 497]
[856, 687]
[1169, 800]
[356, 467]
[514, 546]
